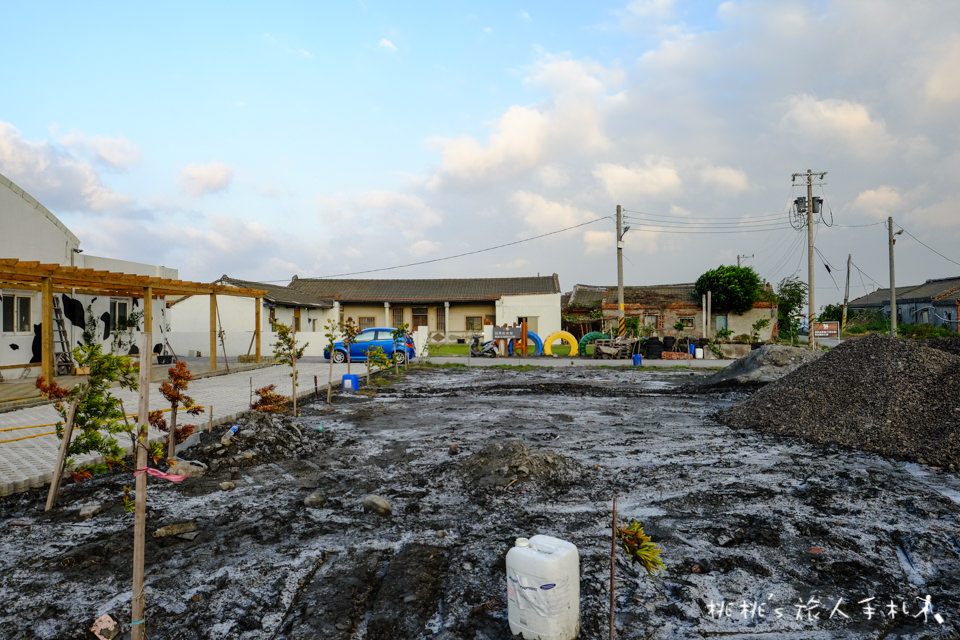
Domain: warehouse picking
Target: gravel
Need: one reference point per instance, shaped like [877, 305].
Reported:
[894, 397]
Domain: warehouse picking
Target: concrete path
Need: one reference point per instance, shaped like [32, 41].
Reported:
[29, 445]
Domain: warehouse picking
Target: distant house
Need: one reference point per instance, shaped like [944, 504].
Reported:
[661, 307]
[935, 302]
[189, 316]
[448, 308]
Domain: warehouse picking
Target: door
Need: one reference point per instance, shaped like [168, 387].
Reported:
[721, 324]
[419, 317]
[360, 344]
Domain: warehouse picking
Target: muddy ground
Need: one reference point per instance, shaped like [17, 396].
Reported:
[763, 536]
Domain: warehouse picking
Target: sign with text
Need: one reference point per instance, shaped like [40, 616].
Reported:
[826, 329]
[506, 333]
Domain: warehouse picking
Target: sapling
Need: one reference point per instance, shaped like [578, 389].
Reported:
[269, 401]
[399, 336]
[349, 329]
[173, 390]
[286, 351]
[678, 326]
[331, 331]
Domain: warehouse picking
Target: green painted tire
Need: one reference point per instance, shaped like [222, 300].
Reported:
[590, 337]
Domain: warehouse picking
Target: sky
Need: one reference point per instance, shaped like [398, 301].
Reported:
[382, 139]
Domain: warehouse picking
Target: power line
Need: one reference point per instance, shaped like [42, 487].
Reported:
[705, 225]
[928, 247]
[459, 255]
[660, 215]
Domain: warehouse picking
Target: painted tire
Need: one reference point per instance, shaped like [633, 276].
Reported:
[590, 337]
[561, 335]
[538, 343]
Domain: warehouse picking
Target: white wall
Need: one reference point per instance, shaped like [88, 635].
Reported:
[30, 231]
[544, 307]
[124, 266]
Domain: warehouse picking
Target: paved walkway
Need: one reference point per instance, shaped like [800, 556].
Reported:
[29, 445]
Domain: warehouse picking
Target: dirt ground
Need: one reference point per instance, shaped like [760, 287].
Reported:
[763, 535]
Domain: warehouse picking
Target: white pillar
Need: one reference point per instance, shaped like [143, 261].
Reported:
[446, 320]
[386, 314]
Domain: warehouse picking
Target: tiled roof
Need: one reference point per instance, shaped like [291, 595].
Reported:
[282, 295]
[938, 289]
[655, 295]
[438, 290]
[584, 295]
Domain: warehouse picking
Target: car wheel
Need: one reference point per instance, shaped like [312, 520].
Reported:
[401, 357]
[339, 357]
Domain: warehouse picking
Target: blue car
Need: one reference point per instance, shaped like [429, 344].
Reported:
[374, 337]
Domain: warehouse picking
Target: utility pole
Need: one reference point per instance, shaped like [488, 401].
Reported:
[811, 207]
[846, 296]
[893, 285]
[621, 322]
[744, 257]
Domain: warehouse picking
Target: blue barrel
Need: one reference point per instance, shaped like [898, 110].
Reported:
[637, 359]
[351, 382]
[692, 348]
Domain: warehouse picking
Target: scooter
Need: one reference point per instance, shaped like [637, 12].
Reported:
[486, 350]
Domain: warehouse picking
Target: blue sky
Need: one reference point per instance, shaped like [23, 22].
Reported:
[266, 140]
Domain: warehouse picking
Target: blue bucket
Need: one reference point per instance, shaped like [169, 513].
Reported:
[351, 382]
[637, 359]
[692, 349]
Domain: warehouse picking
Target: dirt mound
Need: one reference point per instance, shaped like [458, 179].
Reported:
[881, 394]
[499, 464]
[260, 438]
[950, 345]
[764, 365]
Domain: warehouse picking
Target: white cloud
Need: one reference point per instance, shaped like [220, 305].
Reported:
[118, 153]
[397, 209]
[599, 242]
[656, 177]
[423, 248]
[880, 202]
[53, 176]
[942, 84]
[386, 44]
[837, 120]
[544, 215]
[725, 179]
[200, 179]
[650, 8]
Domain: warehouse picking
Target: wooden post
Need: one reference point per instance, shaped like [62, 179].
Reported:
[523, 337]
[62, 455]
[146, 357]
[47, 368]
[213, 332]
[256, 328]
[138, 627]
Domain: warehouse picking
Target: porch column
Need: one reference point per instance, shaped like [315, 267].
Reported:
[146, 357]
[386, 314]
[46, 329]
[213, 332]
[256, 326]
[446, 320]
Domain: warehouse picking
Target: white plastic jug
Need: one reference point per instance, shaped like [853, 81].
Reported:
[543, 589]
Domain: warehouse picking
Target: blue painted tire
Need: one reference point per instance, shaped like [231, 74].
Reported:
[590, 337]
[538, 343]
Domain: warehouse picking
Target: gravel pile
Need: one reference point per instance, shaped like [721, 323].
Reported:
[764, 365]
[499, 464]
[881, 394]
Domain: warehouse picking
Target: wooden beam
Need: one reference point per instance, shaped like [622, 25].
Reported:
[256, 326]
[146, 359]
[46, 330]
[213, 332]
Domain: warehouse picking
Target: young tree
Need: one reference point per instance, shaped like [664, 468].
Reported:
[678, 326]
[178, 379]
[269, 401]
[286, 351]
[791, 294]
[92, 411]
[732, 288]
[758, 326]
[331, 333]
[349, 329]
[399, 336]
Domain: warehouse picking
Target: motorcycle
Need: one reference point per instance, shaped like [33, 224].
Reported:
[486, 350]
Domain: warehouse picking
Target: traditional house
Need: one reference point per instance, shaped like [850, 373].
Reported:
[450, 309]
[934, 302]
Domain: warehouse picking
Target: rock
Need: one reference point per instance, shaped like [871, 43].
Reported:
[90, 510]
[190, 468]
[227, 485]
[174, 529]
[105, 627]
[315, 500]
[377, 504]
[454, 450]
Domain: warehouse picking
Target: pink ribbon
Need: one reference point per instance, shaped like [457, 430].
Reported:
[172, 477]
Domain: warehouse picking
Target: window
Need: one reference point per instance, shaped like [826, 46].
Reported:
[118, 313]
[489, 319]
[397, 316]
[474, 323]
[296, 319]
[366, 322]
[441, 319]
[687, 321]
[419, 317]
[16, 314]
[273, 316]
[369, 336]
[651, 320]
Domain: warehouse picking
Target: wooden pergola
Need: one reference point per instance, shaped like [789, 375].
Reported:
[54, 278]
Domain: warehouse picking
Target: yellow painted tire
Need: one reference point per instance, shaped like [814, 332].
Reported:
[560, 335]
